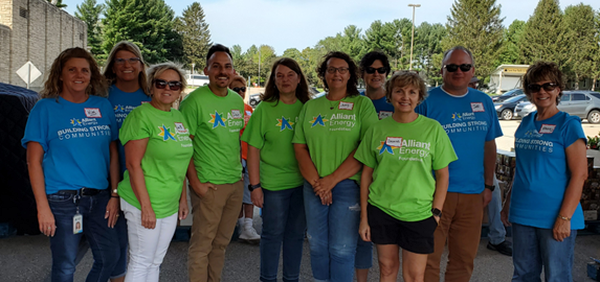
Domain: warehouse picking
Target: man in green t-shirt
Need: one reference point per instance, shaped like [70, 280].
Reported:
[215, 116]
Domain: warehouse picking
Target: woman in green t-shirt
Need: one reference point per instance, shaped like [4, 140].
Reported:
[330, 129]
[401, 201]
[158, 150]
[275, 179]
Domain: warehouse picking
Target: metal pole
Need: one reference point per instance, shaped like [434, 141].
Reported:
[258, 66]
[28, 75]
[412, 39]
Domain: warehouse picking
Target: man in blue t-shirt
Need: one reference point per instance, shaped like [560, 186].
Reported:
[470, 120]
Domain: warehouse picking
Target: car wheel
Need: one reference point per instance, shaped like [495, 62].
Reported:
[594, 116]
[506, 114]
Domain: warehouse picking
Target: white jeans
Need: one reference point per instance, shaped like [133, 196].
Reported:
[147, 247]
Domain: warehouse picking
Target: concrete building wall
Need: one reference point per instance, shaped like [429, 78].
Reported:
[37, 31]
[4, 51]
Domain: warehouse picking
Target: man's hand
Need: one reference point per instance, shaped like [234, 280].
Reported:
[486, 196]
[202, 189]
[257, 197]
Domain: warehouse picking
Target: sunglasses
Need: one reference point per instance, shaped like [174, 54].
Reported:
[173, 85]
[239, 89]
[455, 67]
[547, 87]
[131, 61]
[380, 70]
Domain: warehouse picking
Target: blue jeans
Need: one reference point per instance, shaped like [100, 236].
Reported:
[534, 248]
[284, 222]
[497, 232]
[65, 244]
[333, 231]
[364, 254]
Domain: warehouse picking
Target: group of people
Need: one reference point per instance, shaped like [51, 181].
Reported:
[397, 166]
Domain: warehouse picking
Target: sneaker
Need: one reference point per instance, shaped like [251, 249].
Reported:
[249, 234]
[504, 248]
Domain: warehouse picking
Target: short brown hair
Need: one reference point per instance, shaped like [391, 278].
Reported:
[272, 92]
[404, 78]
[541, 71]
[110, 75]
[351, 86]
[54, 86]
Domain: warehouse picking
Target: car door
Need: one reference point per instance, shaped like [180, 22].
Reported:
[579, 103]
[565, 103]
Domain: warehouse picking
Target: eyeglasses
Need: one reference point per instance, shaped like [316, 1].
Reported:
[173, 85]
[239, 89]
[455, 67]
[547, 87]
[341, 70]
[380, 70]
[119, 61]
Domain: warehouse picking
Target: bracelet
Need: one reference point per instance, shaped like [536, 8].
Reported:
[112, 196]
[564, 218]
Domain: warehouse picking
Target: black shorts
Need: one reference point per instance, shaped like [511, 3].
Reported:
[415, 237]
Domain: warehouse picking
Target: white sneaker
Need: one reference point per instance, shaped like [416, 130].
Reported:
[249, 234]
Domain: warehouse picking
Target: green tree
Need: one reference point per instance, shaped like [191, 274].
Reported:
[543, 35]
[385, 38]
[195, 35]
[595, 73]
[147, 23]
[58, 3]
[353, 43]
[509, 53]
[89, 12]
[476, 25]
[428, 51]
[580, 37]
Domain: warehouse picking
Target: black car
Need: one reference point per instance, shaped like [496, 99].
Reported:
[506, 108]
[254, 100]
[507, 95]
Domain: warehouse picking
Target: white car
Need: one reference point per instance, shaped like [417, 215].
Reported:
[196, 80]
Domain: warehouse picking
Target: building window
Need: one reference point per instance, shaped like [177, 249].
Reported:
[81, 36]
[23, 12]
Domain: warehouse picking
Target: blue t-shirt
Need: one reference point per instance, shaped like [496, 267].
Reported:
[123, 103]
[469, 121]
[383, 108]
[542, 173]
[76, 139]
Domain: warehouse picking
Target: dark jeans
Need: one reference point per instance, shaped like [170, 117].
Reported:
[284, 222]
[65, 244]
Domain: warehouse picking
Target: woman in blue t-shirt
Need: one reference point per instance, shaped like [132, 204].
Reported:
[125, 72]
[71, 146]
[551, 169]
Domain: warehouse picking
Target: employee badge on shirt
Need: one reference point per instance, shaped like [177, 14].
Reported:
[547, 128]
[180, 128]
[93, 112]
[77, 223]
[236, 114]
[477, 107]
[384, 114]
[346, 106]
[394, 141]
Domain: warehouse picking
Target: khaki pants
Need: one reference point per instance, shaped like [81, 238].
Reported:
[215, 217]
[460, 229]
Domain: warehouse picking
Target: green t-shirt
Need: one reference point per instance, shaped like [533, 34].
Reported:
[271, 129]
[403, 156]
[333, 129]
[166, 159]
[215, 123]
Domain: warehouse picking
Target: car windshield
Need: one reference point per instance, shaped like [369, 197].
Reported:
[515, 99]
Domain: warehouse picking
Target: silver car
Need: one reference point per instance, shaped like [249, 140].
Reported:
[582, 103]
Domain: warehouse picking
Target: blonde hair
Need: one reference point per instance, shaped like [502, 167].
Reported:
[158, 69]
[405, 78]
[238, 78]
[54, 85]
[128, 46]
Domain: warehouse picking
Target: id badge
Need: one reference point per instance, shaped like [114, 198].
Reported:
[77, 223]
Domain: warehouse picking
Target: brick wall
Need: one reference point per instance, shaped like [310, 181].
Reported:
[39, 37]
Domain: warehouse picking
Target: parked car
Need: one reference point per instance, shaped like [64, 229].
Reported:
[505, 109]
[254, 100]
[582, 103]
[509, 94]
[196, 80]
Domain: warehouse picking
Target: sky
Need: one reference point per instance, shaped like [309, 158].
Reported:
[298, 24]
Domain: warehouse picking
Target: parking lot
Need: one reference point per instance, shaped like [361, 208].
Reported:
[27, 258]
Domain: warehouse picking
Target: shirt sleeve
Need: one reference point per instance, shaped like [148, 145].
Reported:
[494, 129]
[299, 136]
[444, 152]
[36, 129]
[190, 112]
[368, 116]
[573, 131]
[364, 154]
[135, 127]
[253, 134]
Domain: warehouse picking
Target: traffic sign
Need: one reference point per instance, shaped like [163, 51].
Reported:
[28, 73]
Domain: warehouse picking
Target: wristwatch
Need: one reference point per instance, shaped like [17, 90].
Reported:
[491, 187]
[252, 187]
[436, 212]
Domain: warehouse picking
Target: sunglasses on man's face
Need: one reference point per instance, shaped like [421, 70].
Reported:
[162, 84]
[239, 89]
[455, 67]
[371, 70]
[547, 87]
